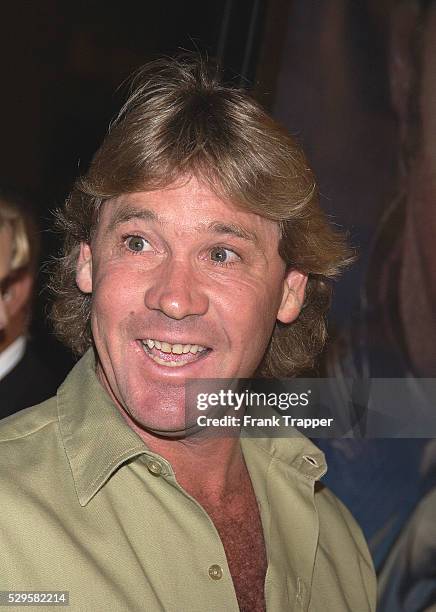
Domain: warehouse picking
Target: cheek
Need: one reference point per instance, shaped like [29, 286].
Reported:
[249, 311]
[115, 297]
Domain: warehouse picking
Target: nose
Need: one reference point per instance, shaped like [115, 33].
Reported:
[3, 313]
[177, 291]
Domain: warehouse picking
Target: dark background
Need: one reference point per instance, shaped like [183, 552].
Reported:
[318, 65]
[62, 64]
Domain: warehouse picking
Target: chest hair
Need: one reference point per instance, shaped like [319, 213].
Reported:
[238, 523]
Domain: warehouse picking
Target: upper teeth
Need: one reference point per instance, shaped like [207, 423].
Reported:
[177, 349]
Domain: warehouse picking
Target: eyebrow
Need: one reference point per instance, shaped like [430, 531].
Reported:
[232, 229]
[126, 213]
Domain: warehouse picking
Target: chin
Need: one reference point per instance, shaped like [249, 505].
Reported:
[159, 408]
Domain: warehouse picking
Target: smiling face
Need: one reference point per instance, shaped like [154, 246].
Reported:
[184, 285]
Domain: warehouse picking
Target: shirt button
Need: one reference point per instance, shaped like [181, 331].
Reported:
[154, 467]
[215, 572]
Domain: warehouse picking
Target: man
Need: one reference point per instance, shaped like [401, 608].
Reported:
[195, 248]
[24, 378]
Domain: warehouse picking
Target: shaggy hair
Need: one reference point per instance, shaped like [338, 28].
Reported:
[180, 120]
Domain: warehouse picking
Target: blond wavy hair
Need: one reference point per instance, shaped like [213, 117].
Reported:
[179, 120]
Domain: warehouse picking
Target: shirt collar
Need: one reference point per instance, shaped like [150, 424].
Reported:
[11, 356]
[97, 439]
[293, 450]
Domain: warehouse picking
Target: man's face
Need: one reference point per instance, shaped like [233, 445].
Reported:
[184, 285]
[5, 269]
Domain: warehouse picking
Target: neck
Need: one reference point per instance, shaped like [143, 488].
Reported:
[211, 468]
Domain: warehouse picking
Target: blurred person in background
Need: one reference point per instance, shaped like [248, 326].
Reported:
[25, 378]
[394, 336]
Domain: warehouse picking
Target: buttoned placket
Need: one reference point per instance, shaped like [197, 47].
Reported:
[216, 568]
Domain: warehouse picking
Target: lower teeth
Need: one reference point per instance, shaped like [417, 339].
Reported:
[171, 364]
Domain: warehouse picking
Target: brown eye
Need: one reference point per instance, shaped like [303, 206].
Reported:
[136, 243]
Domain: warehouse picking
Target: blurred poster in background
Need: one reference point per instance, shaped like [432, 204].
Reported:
[333, 94]
[357, 86]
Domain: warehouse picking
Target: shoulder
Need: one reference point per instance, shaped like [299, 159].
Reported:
[34, 467]
[28, 421]
[26, 428]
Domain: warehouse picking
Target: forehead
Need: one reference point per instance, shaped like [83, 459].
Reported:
[185, 207]
[5, 250]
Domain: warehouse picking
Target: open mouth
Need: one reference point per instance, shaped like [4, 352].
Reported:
[173, 355]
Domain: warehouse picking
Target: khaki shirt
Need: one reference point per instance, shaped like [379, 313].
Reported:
[87, 508]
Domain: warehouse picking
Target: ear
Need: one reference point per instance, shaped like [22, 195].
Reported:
[294, 286]
[84, 269]
[401, 69]
[18, 292]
